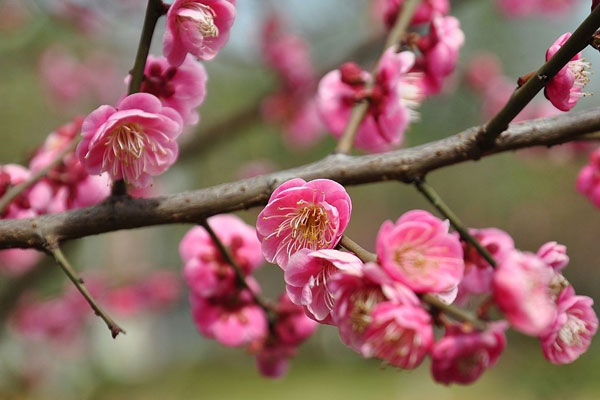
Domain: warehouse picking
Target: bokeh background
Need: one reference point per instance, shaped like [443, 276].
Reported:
[531, 195]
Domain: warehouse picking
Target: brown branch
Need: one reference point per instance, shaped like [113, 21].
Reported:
[64, 264]
[523, 95]
[16, 190]
[189, 207]
[360, 109]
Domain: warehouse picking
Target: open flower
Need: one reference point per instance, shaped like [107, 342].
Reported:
[521, 285]
[419, 252]
[198, 27]
[393, 100]
[302, 215]
[571, 333]
[134, 141]
[566, 88]
[462, 356]
[306, 278]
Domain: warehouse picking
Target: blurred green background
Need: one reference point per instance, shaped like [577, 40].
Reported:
[162, 357]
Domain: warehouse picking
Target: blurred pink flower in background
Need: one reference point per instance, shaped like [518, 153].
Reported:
[588, 180]
[521, 285]
[387, 10]
[419, 252]
[134, 141]
[523, 8]
[302, 215]
[566, 88]
[554, 255]
[198, 27]
[571, 333]
[483, 68]
[463, 356]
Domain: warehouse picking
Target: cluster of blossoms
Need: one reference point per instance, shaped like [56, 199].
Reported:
[377, 306]
[61, 319]
[400, 82]
[136, 140]
[225, 309]
[293, 106]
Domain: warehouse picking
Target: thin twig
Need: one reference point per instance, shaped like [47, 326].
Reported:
[64, 264]
[239, 274]
[455, 312]
[523, 95]
[16, 190]
[443, 208]
[361, 108]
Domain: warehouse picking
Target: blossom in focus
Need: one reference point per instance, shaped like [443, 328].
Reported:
[554, 254]
[566, 88]
[399, 334]
[419, 252]
[461, 357]
[181, 88]
[440, 52]
[198, 27]
[393, 100]
[302, 215]
[388, 10]
[232, 323]
[134, 141]
[205, 270]
[357, 294]
[306, 277]
[571, 333]
[588, 180]
[521, 286]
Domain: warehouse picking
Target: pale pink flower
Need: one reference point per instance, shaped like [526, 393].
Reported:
[440, 52]
[198, 27]
[205, 270]
[15, 262]
[588, 180]
[134, 141]
[399, 334]
[554, 254]
[153, 293]
[256, 168]
[181, 88]
[306, 277]
[522, 8]
[302, 215]
[419, 251]
[393, 99]
[461, 357]
[388, 10]
[233, 324]
[478, 272]
[61, 75]
[357, 294]
[566, 88]
[521, 285]
[482, 69]
[571, 333]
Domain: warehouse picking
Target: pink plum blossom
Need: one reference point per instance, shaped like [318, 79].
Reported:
[302, 215]
[588, 180]
[571, 333]
[388, 10]
[181, 88]
[462, 356]
[554, 255]
[357, 295]
[419, 252]
[393, 99]
[440, 52]
[198, 27]
[232, 324]
[134, 141]
[522, 8]
[399, 334]
[521, 286]
[306, 278]
[205, 271]
[478, 272]
[566, 88]
[483, 68]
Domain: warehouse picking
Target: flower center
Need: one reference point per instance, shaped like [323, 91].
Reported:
[581, 69]
[363, 302]
[570, 333]
[126, 142]
[204, 18]
[411, 260]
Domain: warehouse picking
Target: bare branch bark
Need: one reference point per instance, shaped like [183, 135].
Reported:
[405, 165]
